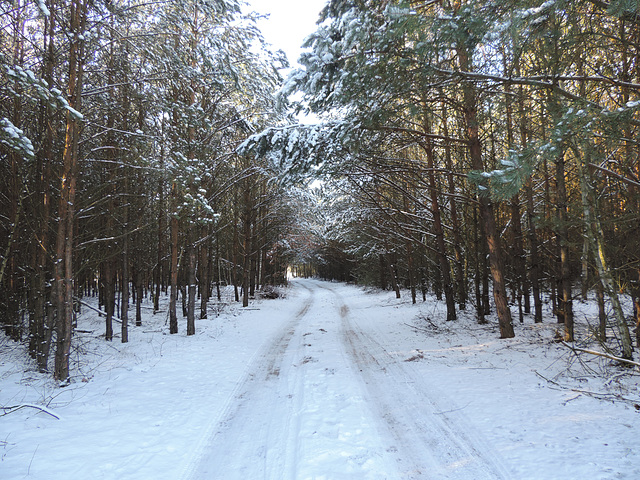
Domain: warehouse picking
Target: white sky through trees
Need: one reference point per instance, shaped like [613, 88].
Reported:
[288, 24]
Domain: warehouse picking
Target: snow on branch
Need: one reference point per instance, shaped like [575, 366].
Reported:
[14, 138]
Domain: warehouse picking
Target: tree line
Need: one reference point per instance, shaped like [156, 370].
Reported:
[119, 177]
[477, 149]
[477, 142]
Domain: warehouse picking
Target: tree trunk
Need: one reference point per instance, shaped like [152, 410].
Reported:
[246, 243]
[565, 307]
[42, 323]
[486, 207]
[64, 249]
[520, 265]
[478, 264]
[534, 255]
[532, 235]
[393, 270]
[438, 231]
[124, 306]
[203, 269]
[139, 293]
[458, 243]
[602, 313]
[161, 232]
[109, 298]
[234, 266]
[520, 288]
[596, 240]
[10, 292]
[382, 272]
[191, 278]
[411, 271]
[173, 316]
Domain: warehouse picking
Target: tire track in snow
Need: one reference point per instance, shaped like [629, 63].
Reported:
[228, 448]
[430, 440]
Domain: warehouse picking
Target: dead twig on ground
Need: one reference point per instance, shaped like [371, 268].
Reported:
[596, 395]
[14, 408]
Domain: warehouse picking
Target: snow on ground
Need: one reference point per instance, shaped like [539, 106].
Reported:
[331, 382]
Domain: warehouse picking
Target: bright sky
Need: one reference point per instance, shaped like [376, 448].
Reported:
[289, 23]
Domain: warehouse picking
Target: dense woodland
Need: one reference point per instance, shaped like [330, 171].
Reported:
[120, 122]
[477, 148]
[482, 150]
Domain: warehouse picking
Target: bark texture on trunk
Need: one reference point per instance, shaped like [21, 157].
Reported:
[64, 242]
[487, 215]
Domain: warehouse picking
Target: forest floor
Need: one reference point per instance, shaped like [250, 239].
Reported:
[330, 382]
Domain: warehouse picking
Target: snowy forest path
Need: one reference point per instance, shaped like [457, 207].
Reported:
[235, 445]
[325, 398]
[430, 436]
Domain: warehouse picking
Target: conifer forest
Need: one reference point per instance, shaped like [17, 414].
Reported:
[485, 151]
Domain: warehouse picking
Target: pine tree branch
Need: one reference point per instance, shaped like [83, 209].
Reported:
[616, 175]
[542, 81]
[628, 15]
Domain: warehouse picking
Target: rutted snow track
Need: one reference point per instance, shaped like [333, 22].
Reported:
[325, 400]
[430, 439]
[240, 440]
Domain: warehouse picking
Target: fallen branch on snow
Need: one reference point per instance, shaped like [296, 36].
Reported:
[596, 395]
[15, 408]
[100, 311]
[418, 328]
[601, 354]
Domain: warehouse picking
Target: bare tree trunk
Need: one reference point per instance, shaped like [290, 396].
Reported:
[234, 266]
[438, 230]
[173, 316]
[520, 270]
[137, 280]
[253, 251]
[203, 269]
[217, 265]
[393, 270]
[518, 256]
[602, 313]
[191, 278]
[411, 270]
[458, 243]
[11, 291]
[562, 233]
[636, 309]
[246, 260]
[124, 305]
[535, 256]
[161, 231]
[383, 270]
[109, 298]
[596, 240]
[44, 315]
[486, 207]
[64, 249]
[479, 266]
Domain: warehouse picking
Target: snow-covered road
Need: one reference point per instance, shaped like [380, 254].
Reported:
[326, 397]
[330, 382]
